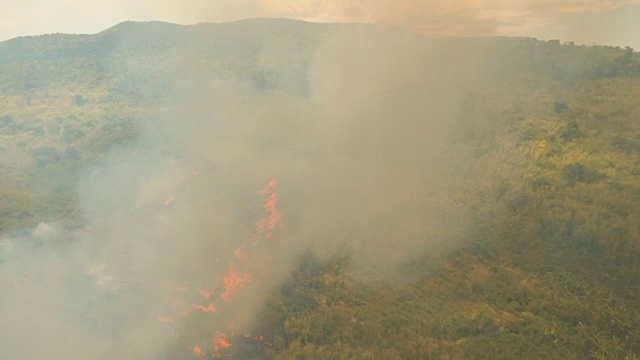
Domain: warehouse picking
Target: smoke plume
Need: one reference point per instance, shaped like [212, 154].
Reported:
[222, 194]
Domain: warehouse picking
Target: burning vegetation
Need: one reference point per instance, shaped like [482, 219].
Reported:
[229, 286]
[438, 204]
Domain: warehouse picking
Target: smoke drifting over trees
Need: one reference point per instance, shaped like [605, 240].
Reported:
[356, 159]
[351, 142]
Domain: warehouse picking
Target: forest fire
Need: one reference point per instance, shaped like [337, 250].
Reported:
[233, 280]
[210, 308]
[221, 342]
[197, 350]
[274, 219]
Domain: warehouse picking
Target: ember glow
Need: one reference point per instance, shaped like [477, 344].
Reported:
[197, 350]
[220, 342]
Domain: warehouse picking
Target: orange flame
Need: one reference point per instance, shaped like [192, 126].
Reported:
[274, 219]
[220, 342]
[183, 310]
[211, 308]
[197, 350]
[233, 280]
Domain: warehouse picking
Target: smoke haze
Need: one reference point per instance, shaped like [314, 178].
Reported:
[358, 163]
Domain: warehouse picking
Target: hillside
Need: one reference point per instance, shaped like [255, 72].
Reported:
[463, 198]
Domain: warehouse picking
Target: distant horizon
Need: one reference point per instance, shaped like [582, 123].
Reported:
[451, 36]
[589, 22]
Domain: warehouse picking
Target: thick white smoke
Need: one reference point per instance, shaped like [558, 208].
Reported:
[359, 162]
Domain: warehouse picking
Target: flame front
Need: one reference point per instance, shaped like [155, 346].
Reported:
[233, 279]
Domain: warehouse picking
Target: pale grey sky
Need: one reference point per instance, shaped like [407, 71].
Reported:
[608, 22]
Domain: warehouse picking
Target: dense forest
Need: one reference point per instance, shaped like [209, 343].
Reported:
[533, 238]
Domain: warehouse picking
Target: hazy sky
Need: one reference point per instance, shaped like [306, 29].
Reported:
[611, 22]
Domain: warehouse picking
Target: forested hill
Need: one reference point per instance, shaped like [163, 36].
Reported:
[138, 50]
[495, 181]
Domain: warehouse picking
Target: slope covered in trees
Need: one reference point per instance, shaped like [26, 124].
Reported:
[545, 209]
